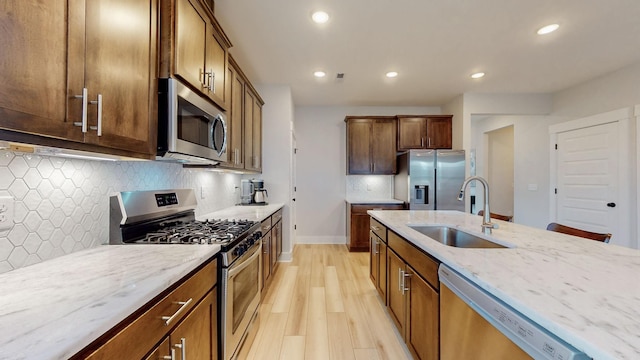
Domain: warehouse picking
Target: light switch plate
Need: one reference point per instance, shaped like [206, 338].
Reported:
[6, 212]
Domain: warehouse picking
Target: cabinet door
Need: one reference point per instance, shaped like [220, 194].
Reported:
[216, 67]
[266, 259]
[382, 271]
[359, 241]
[192, 338]
[191, 35]
[278, 229]
[120, 68]
[412, 133]
[422, 327]
[374, 258]
[162, 352]
[439, 132]
[249, 100]
[235, 119]
[257, 135]
[383, 147]
[396, 299]
[33, 90]
[358, 146]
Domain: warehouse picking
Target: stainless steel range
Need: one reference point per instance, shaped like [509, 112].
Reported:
[168, 217]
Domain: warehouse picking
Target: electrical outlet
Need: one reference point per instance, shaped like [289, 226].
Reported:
[6, 212]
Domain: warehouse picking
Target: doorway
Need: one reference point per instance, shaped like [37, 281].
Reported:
[500, 169]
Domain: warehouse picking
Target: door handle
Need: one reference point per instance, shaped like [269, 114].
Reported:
[611, 204]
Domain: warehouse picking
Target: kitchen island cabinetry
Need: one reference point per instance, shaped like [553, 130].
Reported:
[358, 223]
[378, 258]
[186, 317]
[200, 56]
[371, 145]
[413, 300]
[424, 132]
[66, 83]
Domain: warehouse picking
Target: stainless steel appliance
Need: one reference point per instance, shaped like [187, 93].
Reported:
[506, 333]
[253, 192]
[190, 128]
[430, 179]
[168, 217]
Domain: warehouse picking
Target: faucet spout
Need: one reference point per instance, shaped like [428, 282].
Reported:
[487, 225]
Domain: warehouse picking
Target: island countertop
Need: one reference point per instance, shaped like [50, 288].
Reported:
[54, 309]
[585, 292]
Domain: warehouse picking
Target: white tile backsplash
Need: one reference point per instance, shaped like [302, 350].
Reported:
[62, 205]
[369, 187]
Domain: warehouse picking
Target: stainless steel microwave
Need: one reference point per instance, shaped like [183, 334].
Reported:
[191, 130]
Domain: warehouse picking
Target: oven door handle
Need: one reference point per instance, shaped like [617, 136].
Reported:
[236, 268]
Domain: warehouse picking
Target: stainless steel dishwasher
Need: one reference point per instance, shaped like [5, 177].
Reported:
[476, 325]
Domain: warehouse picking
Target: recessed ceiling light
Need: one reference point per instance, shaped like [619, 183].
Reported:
[477, 75]
[392, 74]
[548, 29]
[319, 74]
[320, 17]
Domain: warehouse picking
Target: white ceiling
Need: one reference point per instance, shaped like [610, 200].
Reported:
[434, 44]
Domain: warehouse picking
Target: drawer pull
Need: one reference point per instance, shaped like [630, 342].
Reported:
[183, 348]
[375, 228]
[183, 305]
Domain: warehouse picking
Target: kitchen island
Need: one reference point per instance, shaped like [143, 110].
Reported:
[585, 292]
[53, 309]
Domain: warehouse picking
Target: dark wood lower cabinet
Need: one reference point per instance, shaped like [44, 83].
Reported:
[413, 299]
[358, 223]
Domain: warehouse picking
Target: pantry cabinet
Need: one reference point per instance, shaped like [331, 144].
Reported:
[371, 145]
[201, 50]
[183, 320]
[424, 132]
[66, 81]
[413, 296]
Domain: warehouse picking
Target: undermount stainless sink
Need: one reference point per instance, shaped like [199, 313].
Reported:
[455, 237]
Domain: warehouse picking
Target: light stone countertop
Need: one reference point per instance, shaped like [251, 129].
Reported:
[357, 201]
[53, 309]
[244, 212]
[586, 292]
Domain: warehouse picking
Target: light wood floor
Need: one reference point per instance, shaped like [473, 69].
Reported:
[323, 305]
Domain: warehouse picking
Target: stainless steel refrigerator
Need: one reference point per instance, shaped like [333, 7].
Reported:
[430, 179]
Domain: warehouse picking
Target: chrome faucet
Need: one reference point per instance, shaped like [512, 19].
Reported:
[487, 225]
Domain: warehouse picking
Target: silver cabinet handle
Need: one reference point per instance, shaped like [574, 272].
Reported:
[99, 127]
[170, 357]
[212, 81]
[404, 285]
[183, 305]
[421, 142]
[183, 348]
[375, 228]
[429, 142]
[400, 280]
[83, 123]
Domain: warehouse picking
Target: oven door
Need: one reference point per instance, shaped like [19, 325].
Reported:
[241, 297]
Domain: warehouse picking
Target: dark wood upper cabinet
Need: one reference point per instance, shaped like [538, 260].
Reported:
[424, 132]
[71, 79]
[200, 50]
[371, 145]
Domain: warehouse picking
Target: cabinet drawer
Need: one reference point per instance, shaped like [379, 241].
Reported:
[362, 209]
[378, 229]
[136, 336]
[422, 263]
[265, 226]
[277, 216]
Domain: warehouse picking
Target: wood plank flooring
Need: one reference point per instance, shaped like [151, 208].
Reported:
[323, 305]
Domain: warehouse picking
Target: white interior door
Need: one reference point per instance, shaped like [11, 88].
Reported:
[588, 178]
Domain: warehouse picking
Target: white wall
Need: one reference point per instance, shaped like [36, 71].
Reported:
[500, 174]
[531, 162]
[321, 168]
[277, 151]
[612, 91]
